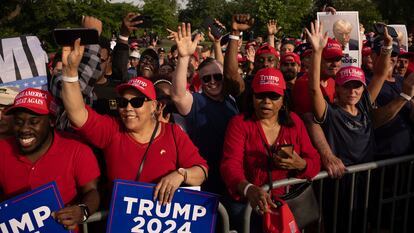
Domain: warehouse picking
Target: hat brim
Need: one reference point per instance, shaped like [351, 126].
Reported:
[349, 80]
[261, 89]
[122, 87]
[40, 111]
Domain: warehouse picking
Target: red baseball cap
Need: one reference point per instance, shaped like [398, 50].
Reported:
[141, 84]
[134, 45]
[290, 57]
[269, 80]
[35, 100]
[267, 49]
[332, 49]
[350, 73]
[366, 51]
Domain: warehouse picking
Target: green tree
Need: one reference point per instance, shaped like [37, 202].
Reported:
[164, 14]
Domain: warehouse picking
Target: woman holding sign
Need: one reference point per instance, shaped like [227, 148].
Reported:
[136, 146]
[265, 139]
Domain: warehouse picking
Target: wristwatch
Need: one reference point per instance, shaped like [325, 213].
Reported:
[85, 211]
[183, 172]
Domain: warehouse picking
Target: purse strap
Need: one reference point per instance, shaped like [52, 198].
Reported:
[177, 163]
[268, 158]
[146, 151]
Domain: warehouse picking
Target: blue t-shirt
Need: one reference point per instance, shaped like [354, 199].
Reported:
[396, 137]
[206, 125]
[350, 137]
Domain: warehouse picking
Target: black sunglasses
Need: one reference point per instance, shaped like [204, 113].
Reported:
[207, 78]
[269, 95]
[136, 102]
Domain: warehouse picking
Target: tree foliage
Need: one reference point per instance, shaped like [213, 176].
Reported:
[164, 14]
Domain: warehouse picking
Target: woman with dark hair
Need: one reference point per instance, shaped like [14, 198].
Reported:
[136, 136]
[266, 136]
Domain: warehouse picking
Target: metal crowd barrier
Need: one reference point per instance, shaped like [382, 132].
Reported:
[397, 196]
[102, 215]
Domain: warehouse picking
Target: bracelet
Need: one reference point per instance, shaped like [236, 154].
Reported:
[124, 38]
[233, 37]
[70, 79]
[386, 51]
[247, 188]
[405, 96]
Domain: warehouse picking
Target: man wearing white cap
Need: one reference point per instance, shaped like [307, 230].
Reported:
[7, 95]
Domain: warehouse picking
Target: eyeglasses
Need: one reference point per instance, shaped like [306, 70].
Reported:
[207, 78]
[269, 95]
[136, 102]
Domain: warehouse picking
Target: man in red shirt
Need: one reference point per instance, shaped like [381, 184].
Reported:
[38, 155]
[330, 65]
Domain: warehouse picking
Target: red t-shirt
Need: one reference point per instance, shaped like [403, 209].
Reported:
[245, 156]
[123, 155]
[69, 162]
[301, 98]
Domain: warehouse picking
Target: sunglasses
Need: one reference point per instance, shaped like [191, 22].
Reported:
[136, 102]
[207, 78]
[269, 95]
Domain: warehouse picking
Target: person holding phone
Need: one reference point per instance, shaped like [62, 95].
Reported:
[265, 136]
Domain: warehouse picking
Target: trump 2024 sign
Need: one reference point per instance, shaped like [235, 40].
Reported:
[31, 212]
[133, 210]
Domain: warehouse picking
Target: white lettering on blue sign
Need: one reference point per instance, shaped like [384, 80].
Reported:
[40, 214]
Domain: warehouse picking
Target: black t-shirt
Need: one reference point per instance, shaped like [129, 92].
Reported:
[106, 101]
[350, 137]
[396, 137]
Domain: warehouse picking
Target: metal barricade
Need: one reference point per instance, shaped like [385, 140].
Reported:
[394, 188]
[102, 215]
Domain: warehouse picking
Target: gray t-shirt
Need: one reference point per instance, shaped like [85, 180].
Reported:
[351, 137]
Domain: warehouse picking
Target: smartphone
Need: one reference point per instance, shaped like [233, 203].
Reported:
[285, 150]
[379, 29]
[216, 30]
[146, 21]
[225, 39]
[67, 36]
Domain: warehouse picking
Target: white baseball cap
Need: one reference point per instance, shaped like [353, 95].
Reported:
[7, 95]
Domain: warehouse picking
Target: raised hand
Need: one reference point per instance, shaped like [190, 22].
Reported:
[92, 22]
[241, 22]
[387, 38]
[185, 45]
[251, 52]
[316, 37]
[71, 58]
[129, 25]
[272, 27]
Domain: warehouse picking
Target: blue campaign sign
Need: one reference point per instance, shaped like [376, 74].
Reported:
[31, 211]
[133, 210]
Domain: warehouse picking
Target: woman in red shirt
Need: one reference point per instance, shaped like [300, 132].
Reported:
[262, 131]
[171, 158]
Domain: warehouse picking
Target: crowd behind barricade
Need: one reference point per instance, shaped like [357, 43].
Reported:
[226, 117]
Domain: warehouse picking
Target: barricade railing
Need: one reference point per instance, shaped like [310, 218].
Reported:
[396, 196]
[102, 215]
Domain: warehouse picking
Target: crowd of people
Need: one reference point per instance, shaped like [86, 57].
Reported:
[226, 117]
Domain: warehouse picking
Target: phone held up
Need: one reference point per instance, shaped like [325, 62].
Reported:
[67, 36]
[379, 29]
[146, 21]
[216, 30]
